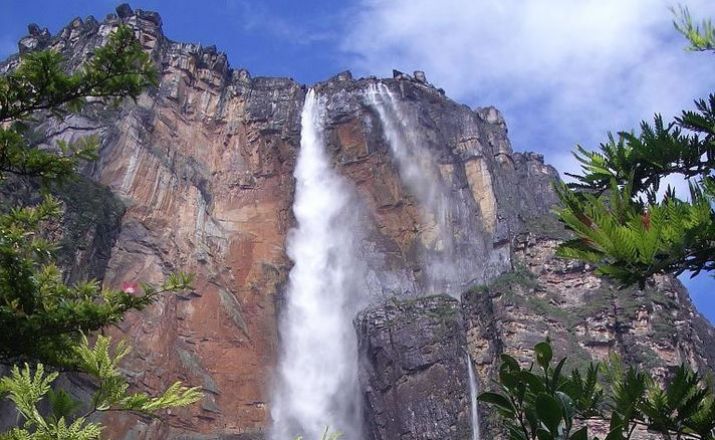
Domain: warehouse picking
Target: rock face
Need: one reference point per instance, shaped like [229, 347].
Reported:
[585, 316]
[413, 370]
[199, 177]
[203, 169]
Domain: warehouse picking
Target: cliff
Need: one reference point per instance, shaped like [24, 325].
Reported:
[200, 177]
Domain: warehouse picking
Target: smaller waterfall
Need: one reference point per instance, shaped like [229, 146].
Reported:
[473, 391]
[420, 173]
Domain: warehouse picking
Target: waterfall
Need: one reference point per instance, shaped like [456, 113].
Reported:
[473, 399]
[448, 268]
[317, 383]
[420, 173]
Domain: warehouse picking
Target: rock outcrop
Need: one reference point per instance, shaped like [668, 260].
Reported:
[199, 177]
[413, 370]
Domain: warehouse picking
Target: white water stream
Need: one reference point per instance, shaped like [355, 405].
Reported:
[317, 384]
[473, 392]
[317, 369]
[421, 175]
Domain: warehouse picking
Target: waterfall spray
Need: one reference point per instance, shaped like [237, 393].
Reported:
[317, 370]
[448, 270]
[420, 173]
[473, 391]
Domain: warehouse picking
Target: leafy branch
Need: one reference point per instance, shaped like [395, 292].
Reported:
[26, 387]
[621, 222]
[542, 403]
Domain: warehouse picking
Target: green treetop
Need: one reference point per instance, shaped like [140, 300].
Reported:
[621, 223]
[41, 317]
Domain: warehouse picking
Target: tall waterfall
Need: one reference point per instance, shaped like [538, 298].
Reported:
[420, 173]
[317, 369]
[473, 399]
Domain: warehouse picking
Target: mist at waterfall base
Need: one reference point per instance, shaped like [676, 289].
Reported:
[317, 369]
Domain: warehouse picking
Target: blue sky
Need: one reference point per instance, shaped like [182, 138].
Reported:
[564, 72]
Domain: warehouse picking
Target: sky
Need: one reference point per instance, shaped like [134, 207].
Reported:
[563, 72]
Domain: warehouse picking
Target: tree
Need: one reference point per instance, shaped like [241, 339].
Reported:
[541, 402]
[620, 223]
[44, 321]
[622, 226]
[26, 387]
[41, 317]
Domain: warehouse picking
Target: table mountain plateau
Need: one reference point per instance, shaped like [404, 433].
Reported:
[433, 241]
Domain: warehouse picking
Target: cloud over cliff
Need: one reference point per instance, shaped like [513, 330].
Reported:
[563, 71]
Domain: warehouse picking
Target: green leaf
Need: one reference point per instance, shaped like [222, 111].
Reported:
[556, 376]
[509, 372]
[543, 354]
[549, 411]
[581, 434]
[535, 382]
[532, 419]
[616, 427]
[509, 362]
[497, 400]
[567, 406]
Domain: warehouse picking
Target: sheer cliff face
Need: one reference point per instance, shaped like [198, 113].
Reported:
[204, 168]
[586, 317]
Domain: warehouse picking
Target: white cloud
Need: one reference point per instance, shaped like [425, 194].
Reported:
[563, 71]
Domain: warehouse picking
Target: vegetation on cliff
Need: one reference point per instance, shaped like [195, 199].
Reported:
[43, 320]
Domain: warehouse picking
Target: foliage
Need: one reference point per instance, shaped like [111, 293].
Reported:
[26, 387]
[621, 225]
[543, 403]
[700, 36]
[41, 317]
[40, 86]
